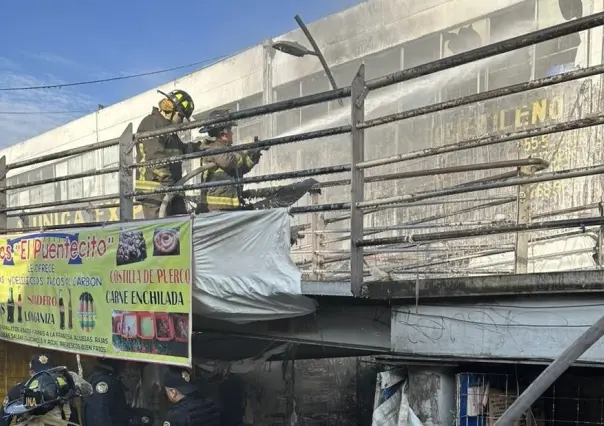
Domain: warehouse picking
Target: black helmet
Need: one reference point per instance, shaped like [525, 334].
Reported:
[215, 130]
[182, 101]
[43, 392]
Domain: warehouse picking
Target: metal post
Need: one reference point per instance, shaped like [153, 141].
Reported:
[600, 259]
[3, 195]
[268, 121]
[551, 373]
[267, 88]
[523, 216]
[357, 187]
[317, 224]
[126, 182]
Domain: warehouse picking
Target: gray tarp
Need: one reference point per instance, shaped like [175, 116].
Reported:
[243, 268]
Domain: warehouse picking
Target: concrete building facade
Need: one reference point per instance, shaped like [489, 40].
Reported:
[387, 35]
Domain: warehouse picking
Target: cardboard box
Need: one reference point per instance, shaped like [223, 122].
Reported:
[498, 403]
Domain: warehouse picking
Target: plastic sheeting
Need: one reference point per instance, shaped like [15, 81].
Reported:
[242, 366]
[391, 407]
[243, 269]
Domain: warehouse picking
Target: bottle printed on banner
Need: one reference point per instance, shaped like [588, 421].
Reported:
[61, 311]
[19, 307]
[69, 311]
[10, 307]
[86, 312]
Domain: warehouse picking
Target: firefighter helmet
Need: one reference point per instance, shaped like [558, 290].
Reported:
[182, 102]
[217, 129]
[43, 392]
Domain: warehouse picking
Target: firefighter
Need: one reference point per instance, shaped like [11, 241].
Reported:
[107, 404]
[37, 364]
[175, 107]
[45, 399]
[227, 167]
[189, 407]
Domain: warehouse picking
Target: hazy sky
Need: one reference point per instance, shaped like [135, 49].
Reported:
[51, 42]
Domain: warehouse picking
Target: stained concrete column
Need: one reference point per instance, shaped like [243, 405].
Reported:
[431, 394]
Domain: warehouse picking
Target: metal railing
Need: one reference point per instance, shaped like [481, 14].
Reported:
[528, 171]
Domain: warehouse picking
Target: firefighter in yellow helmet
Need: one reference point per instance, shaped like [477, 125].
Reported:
[175, 107]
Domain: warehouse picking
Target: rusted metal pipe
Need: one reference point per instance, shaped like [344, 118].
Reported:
[437, 217]
[576, 209]
[343, 217]
[62, 154]
[488, 230]
[63, 178]
[467, 200]
[251, 179]
[538, 163]
[65, 226]
[62, 203]
[408, 268]
[64, 210]
[412, 247]
[543, 177]
[376, 229]
[281, 140]
[488, 139]
[484, 96]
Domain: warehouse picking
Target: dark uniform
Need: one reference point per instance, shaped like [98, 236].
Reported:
[107, 405]
[193, 409]
[156, 148]
[37, 364]
[228, 167]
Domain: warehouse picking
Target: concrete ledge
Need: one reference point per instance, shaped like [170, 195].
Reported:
[327, 288]
[500, 285]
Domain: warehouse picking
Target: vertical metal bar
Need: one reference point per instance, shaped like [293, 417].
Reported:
[317, 224]
[357, 187]
[268, 121]
[533, 48]
[3, 195]
[314, 237]
[601, 237]
[126, 182]
[267, 87]
[523, 216]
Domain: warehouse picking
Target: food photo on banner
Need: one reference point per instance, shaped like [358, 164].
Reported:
[120, 291]
[161, 333]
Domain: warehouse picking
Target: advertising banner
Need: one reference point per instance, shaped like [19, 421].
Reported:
[120, 291]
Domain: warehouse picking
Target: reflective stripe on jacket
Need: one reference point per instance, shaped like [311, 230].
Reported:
[157, 148]
[230, 166]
